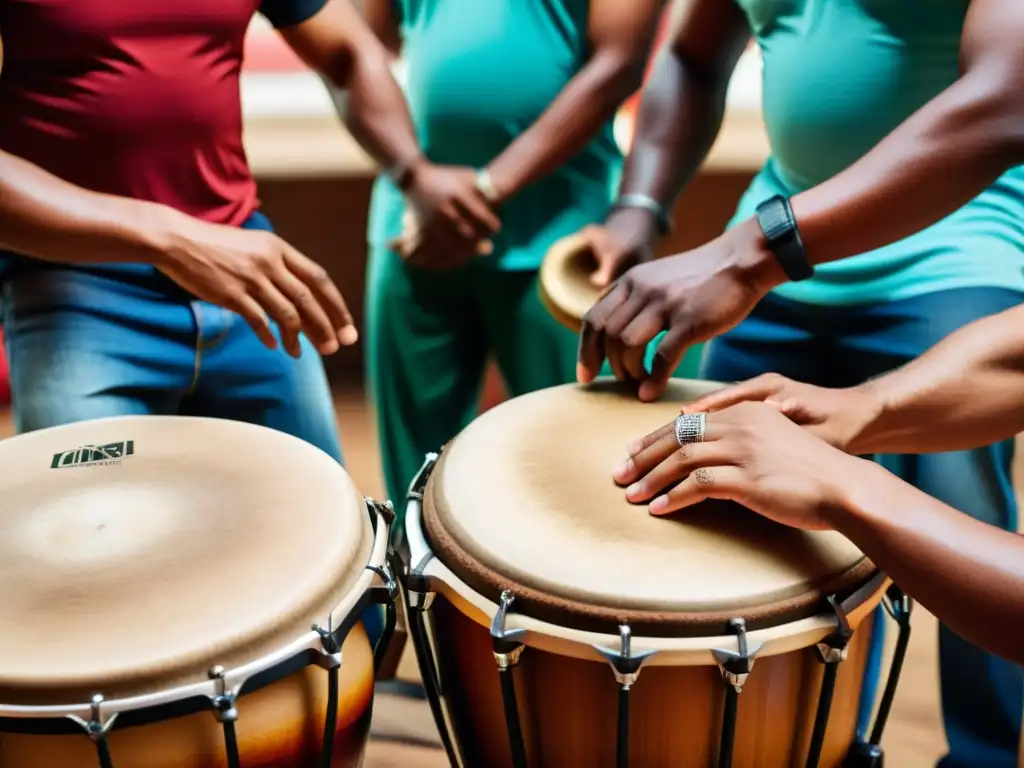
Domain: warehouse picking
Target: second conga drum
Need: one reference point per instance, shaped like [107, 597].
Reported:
[161, 582]
[557, 625]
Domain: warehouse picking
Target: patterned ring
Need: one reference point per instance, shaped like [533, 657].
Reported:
[690, 428]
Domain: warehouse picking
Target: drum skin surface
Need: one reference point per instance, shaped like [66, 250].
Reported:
[523, 499]
[138, 552]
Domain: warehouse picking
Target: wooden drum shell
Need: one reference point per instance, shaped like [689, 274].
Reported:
[280, 726]
[568, 706]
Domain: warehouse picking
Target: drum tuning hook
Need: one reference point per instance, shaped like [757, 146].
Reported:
[223, 699]
[331, 656]
[387, 578]
[95, 727]
[736, 665]
[507, 645]
[624, 663]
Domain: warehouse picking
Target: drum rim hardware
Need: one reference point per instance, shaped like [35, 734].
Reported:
[223, 689]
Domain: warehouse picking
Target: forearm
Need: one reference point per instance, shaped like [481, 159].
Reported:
[679, 117]
[47, 218]
[940, 158]
[969, 574]
[373, 108]
[966, 391]
[583, 107]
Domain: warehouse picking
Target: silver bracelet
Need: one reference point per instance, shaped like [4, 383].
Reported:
[647, 203]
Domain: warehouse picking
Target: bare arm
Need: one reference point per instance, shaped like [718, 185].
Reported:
[940, 158]
[338, 44]
[620, 36]
[966, 391]
[969, 574]
[683, 101]
[47, 218]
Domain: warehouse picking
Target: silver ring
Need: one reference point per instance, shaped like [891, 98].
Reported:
[690, 428]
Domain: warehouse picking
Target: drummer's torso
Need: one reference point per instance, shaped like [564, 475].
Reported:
[479, 74]
[839, 76]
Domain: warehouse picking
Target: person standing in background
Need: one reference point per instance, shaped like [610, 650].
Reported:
[890, 213]
[132, 249]
[524, 92]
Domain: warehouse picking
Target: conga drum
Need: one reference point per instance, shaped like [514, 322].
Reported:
[557, 625]
[184, 592]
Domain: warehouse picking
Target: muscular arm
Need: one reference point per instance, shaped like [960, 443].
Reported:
[966, 391]
[45, 217]
[620, 35]
[941, 157]
[683, 101]
[969, 574]
[338, 44]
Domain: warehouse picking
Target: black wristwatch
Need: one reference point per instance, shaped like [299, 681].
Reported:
[779, 226]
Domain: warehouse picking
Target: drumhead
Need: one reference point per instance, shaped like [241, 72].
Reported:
[138, 552]
[523, 499]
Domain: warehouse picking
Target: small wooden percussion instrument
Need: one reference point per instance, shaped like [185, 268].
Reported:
[564, 281]
[184, 592]
[558, 625]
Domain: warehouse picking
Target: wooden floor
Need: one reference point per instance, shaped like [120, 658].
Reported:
[914, 738]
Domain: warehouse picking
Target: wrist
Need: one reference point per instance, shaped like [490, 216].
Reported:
[753, 258]
[868, 404]
[637, 228]
[154, 234]
[405, 173]
[863, 496]
[495, 184]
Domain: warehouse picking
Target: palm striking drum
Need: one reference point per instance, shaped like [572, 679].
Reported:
[184, 592]
[557, 625]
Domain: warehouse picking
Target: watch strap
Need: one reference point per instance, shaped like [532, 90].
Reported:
[778, 224]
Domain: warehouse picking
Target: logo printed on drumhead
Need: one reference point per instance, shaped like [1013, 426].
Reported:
[107, 455]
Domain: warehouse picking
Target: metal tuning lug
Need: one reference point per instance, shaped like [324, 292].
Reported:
[419, 483]
[223, 700]
[330, 657]
[624, 663]
[96, 728]
[736, 665]
[506, 645]
[833, 649]
[626, 666]
[387, 580]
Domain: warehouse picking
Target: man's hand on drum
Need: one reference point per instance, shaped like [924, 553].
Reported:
[837, 416]
[625, 239]
[450, 218]
[751, 454]
[694, 296]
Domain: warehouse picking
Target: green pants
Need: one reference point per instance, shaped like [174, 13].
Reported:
[428, 339]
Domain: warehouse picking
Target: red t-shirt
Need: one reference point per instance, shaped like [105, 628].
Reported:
[138, 98]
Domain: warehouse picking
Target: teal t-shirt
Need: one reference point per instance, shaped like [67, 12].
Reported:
[479, 73]
[840, 75]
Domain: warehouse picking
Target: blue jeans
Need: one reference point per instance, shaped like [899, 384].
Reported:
[90, 343]
[982, 696]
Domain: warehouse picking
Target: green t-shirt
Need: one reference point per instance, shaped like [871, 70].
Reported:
[479, 73]
[839, 75]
